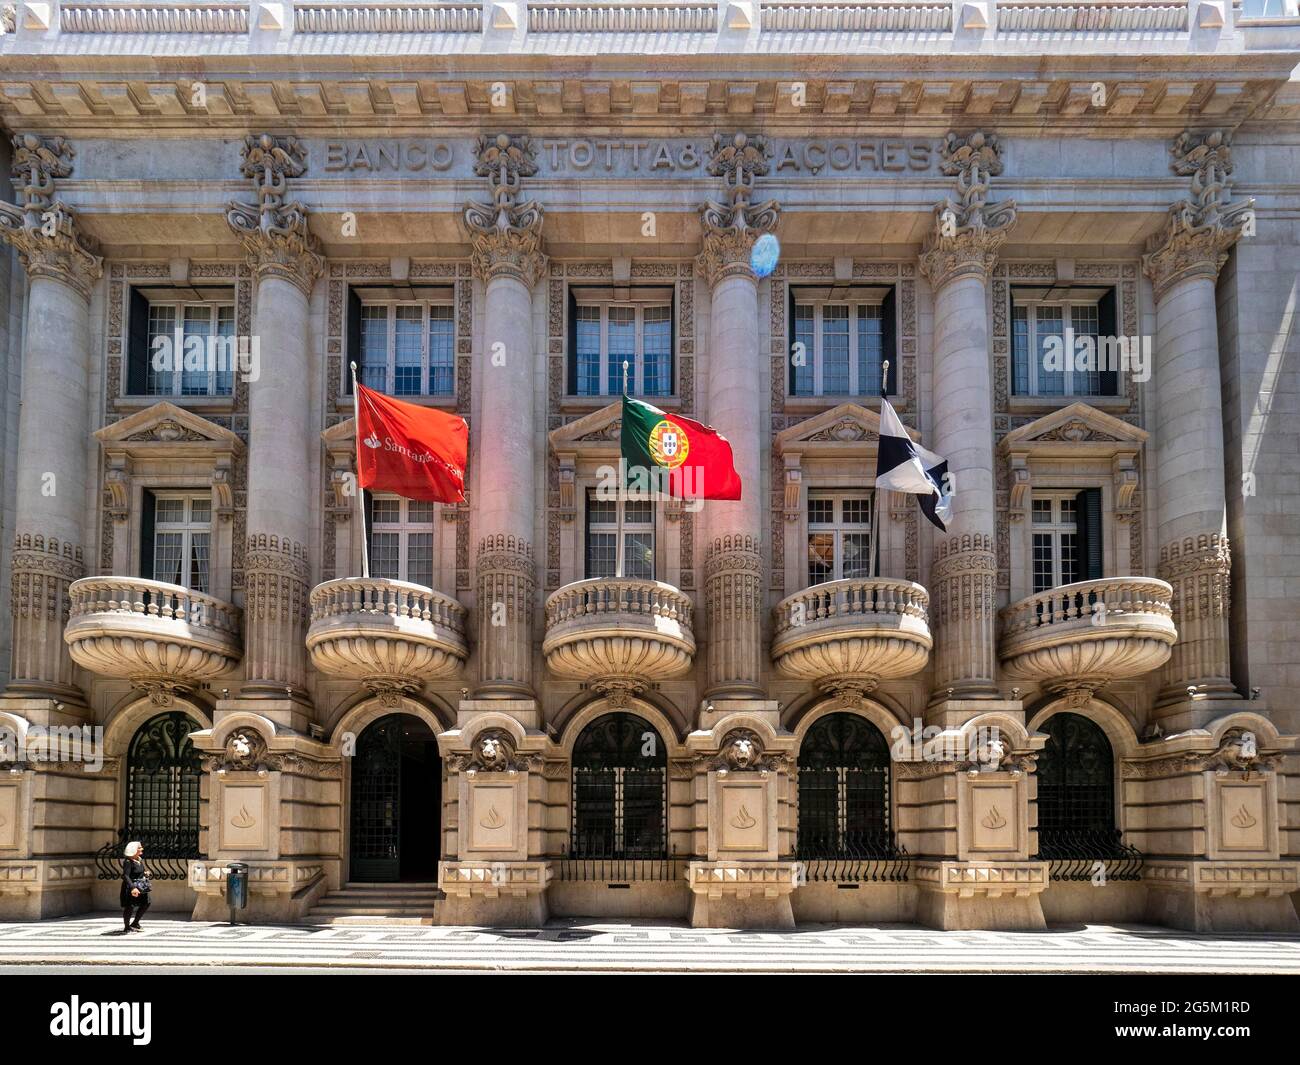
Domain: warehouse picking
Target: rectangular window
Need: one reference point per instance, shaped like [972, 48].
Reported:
[406, 348]
[840, 341]
[839, 535]
[609, 327]
[602, 537]
[401, 539]
[1064, 343]
[181, 342]
[1054, 517]
[179, 538]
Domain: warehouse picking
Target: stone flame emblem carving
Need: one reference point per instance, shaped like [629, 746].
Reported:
[993, 820]
[1243, 818]
[743, 819]
[492, 820]
[243, 819]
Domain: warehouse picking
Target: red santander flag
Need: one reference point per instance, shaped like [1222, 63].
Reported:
[416, 452]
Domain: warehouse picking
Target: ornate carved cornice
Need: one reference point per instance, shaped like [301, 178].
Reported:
[43, 229]
[274, 229]
[1198, 231]
[506, 234]
[967, 231]
[732, 225]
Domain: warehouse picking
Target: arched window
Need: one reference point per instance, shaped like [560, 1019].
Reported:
[163, 769]
[844, 790]
[620, 771]
[1076, 802]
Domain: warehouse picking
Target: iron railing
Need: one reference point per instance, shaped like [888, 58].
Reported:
[858, 858]
[166, 854]
[1074, 854]
[588, 868]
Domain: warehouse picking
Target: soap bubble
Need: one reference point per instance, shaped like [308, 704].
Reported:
[764, 256]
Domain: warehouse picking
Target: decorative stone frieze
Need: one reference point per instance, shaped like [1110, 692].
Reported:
[43, 569]
[732, 580]
[274, 229]
[969, 230]
[962, 584]
[1200, 230]
[507, 580]
[1199, 569]
[277, 583]
[507, 233]
[43, 229]
[732, 225]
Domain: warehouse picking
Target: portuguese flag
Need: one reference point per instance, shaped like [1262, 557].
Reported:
[675, 455]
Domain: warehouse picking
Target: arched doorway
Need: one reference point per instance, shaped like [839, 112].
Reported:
[1076, 789]
[396, 801]
[844, 790]
[163, 771]
[620, 790]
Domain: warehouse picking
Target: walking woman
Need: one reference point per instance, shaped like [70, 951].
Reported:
[135, 887]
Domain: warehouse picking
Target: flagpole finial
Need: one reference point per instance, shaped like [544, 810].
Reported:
[625, 365]
[884, 378]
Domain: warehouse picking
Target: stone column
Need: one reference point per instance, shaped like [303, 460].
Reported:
[287, 262]
[733, 559]
[1183, 263]
[957, 260]
[507, 257]
[53, 477]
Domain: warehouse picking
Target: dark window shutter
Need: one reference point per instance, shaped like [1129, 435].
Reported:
[673, 387]
[367, 508]
[586, 536]
[1108, 332]
[790, 389]
[1088, 539]
[146, 535]
[354, 339]
[572, 333]
[889, 342]
[138, 354]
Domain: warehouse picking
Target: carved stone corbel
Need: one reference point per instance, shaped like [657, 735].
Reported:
[506, 234]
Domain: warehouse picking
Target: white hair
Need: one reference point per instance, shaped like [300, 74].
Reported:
[133, 848]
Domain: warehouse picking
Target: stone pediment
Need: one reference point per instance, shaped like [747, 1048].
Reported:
[1077, 424]
[592, 433]
[848, 427]
[167, 425]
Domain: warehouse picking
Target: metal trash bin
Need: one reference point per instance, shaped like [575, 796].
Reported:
[236, 888]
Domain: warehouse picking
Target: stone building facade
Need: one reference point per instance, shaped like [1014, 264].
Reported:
[1070, 231]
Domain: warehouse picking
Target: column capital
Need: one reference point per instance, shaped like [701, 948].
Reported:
[273, 230]
[506, 233]
[969, 230]
[731, 226]
[1199, 230]
[44, 230]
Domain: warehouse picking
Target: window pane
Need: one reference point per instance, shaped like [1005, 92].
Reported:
[168, 551]
[821, 511]
[1020, 350]
[200, 510]
[801, 356]
[194, 375]
[656, 347]
[856, 511]
[821, 557]
[169, 510]
[1067, 511]
[199, 550]
[835, 351]
[419, 511]
[1042, 511]
[419, 558]
[385, 560]
[857, 554]
[442, 359]
[870, 351]
[601, 510]
[407, 354]
[588, 354]
[385, 510]
[1042, 562]
[639, 555]
[1069, 559]
[1088, 381]
[601, 554]
[622, 346]
[228, 351]
[637, 511]
[162, 351]
[374, 347]
[1051, 382]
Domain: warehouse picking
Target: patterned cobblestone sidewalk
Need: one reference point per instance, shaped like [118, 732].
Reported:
[597, 945]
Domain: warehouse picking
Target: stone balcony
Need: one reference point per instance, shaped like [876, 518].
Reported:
[850, 635]
[161, 637]
[618, 634]
[389, 635]
[1077, 638]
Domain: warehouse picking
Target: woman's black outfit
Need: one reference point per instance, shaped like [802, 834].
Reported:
[133, 876]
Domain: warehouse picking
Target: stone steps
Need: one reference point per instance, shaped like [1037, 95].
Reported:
[371, 904]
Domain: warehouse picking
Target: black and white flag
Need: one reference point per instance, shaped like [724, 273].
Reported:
[905, 466]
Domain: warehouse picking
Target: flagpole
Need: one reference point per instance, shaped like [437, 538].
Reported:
[622, 496]
[875, 495]
[361, 500]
